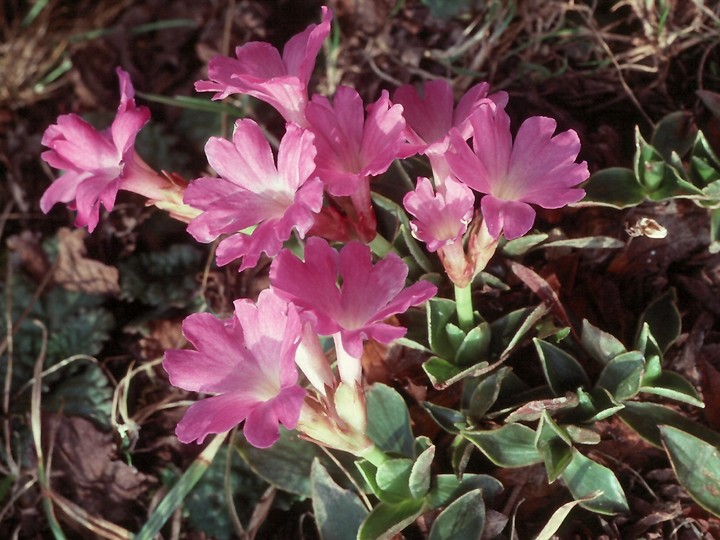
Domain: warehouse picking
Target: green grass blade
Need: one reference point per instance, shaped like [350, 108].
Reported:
[177, 494]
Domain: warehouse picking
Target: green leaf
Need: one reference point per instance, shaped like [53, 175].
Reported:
[174, 498]
[520, 246]
[450, 420]
[386, 520]
[464, 519]
[440, 311]
[585, 477]
[673, 386]
[287, 464]
[533, 410]
[486, 393]
[194, 103]
[615, 187]
[87, 394]
[447, 487]
[507, 331]
[442, 373]
[475, 346]
[602, 346]
[392, 479]
[596, 406]
[588, 242]
[420, 474]
[206, 505]
[646, 344]
[622, 375]
[145, 277]
[674, 132]
[697, 466]
[562, 372]
[663, 318]
[389, 420]
[512, 445]
[645, 418]
[338, 512]
[556, 520]
[554, 445]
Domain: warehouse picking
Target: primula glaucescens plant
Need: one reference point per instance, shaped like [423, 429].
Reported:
[294, 358]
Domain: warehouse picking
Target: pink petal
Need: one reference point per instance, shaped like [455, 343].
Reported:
[63, 189]
[213, 415]
[466, 165]
[301, 50]
[258, 60]
[382, 136]
[492, 143]
[82, 145]
[511, 217]
[261, 427]
[249, 248]
[126, 126]
[430, 117]
[91, 193]
[247, 161]
[296, 157]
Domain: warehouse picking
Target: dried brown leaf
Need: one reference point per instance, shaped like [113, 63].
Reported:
[76, 272]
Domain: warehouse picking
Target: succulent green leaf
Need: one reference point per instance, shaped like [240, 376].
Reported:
[520, 246]
[663, 318]
[419, 481]
[463, 519]
[512, 445]
[616, 187]
[392, 479]
[442, 373]
[596, 406]
[562, 372]
[697, 466]
[554, 445]
[587, 242]
[558, 517]
[455, 335]
[645, 418]
[286, 464]
[486, 393]
[647, 344]
[450, 420]
[673, 386]
[533, 410]
[622, 375]
[389, 420]
[338, 512]
[448, 487]
[440, 311]
[584, 477]
[475, 346]
[600, 345]
[674, 132]
[386, 520]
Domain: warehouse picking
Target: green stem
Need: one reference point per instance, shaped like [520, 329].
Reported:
[375, 456]
[380, 246]
[464, 307]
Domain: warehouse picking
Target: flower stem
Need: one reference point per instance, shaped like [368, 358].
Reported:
[375, 456]
[464, 307]
[380, 246]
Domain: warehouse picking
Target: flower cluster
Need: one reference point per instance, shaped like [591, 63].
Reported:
[318, 188]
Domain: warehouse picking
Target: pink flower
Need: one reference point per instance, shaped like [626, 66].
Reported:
[249, 362]
[430, 117]
[538, 168]
[356, 308]
[97, 164]
[440, 218]
[252, 191]
[351, 147]
[261, 72]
